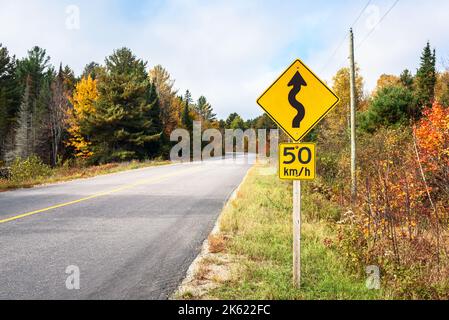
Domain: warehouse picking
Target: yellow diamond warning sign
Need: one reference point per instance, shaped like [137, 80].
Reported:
[298, 100]
[297, 161]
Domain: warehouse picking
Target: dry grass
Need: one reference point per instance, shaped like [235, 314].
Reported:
[202, 272]
[62, 174]
[217, 243]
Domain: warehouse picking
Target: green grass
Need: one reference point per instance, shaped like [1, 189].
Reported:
[259, 225]
[62, 174]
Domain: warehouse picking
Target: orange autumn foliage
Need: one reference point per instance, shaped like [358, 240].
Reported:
[432, 133]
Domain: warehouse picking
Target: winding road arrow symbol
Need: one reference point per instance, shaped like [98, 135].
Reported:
[297, 82]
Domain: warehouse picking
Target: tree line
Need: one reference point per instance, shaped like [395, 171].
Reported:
[119, 111]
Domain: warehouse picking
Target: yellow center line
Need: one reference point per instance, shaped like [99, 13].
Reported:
[98, 195]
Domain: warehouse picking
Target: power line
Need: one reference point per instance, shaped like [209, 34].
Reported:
[346, 36]
[379, 22]
[369, 34]
[361, 13]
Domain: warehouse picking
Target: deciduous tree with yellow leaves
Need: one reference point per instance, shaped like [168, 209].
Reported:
[83, 100]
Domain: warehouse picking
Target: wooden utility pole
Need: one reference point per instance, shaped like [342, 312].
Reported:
[353, 114]
[297, 233]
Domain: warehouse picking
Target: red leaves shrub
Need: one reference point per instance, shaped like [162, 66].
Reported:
[432, 135]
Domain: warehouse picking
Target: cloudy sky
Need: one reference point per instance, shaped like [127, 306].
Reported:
[230, 51]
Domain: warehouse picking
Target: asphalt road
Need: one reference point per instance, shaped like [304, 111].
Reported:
[132, 235]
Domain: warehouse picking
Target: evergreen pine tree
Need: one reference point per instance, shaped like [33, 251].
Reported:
[68, 77]
[91, 70]
[9, 100]
[426, 78]
[186, 118]
[40, 120]
[156, 128]
[204, 109]
[126, 124]
[33, 68]
[35, 76]
[230, 119]
[407, 79]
